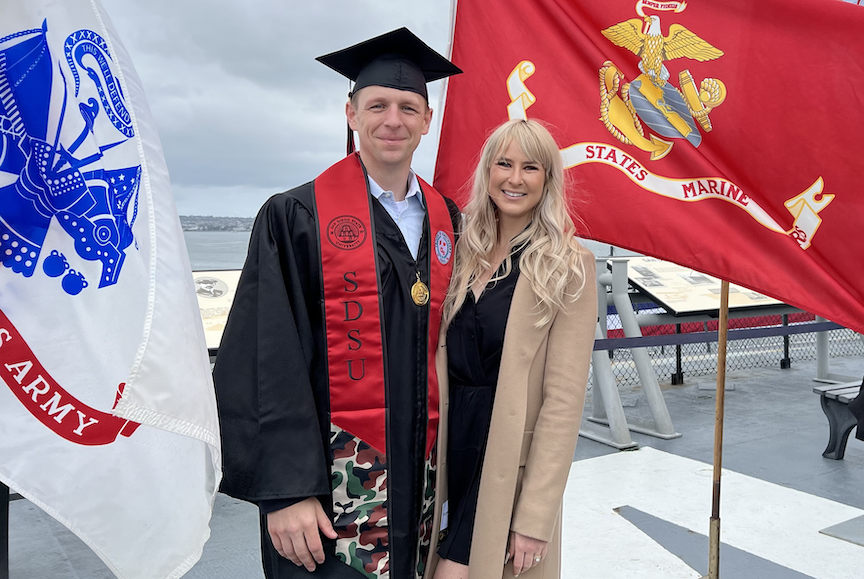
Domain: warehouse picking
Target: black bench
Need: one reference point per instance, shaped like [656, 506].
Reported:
[835, 399]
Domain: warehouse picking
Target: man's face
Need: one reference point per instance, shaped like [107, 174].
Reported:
[389, 123]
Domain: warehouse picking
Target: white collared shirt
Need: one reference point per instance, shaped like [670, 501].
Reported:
[409, 214]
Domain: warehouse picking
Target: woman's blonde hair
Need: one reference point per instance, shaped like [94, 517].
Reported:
[551, 258]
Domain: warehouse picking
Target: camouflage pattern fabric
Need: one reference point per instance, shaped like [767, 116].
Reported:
[359, 483]
[427, 514]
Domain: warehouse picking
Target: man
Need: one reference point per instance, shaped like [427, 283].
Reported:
[328, 400]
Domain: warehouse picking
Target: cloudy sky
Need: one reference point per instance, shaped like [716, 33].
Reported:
[241, 105]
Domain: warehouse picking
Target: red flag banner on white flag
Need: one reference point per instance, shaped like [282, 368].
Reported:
[107, 413]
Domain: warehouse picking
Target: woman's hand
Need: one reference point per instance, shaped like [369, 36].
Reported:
[525, 552]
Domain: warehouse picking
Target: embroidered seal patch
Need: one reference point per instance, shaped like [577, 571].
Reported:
[443, 247]
[346, 232]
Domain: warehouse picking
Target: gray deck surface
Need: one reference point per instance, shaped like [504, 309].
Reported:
[774, 430]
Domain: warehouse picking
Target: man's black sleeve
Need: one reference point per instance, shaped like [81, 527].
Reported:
[271, 438]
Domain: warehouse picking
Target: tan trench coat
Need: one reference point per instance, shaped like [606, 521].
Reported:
[538, 407]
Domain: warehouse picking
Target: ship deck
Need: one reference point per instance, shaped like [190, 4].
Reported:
[641, 513]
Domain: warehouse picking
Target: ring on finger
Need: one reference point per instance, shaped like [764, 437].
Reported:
[536, 558]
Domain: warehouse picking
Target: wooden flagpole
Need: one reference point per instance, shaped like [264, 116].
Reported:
[714, 531]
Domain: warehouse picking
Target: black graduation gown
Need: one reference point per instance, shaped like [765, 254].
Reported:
[271, 369]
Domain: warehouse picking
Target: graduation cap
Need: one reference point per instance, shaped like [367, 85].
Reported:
[397, 59]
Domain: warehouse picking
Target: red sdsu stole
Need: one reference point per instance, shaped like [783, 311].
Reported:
[355, 354]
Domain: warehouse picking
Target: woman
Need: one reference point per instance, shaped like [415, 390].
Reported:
[519, 327]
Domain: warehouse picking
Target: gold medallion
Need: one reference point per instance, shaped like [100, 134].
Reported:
[419, 292]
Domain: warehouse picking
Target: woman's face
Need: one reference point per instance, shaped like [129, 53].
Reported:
[516, 184]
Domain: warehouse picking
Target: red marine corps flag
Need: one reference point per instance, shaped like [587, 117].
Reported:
[107, 412]
[720, 135]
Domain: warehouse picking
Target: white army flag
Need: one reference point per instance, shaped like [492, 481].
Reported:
[107, 413]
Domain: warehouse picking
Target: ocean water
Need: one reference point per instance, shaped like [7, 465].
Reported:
[216, 250]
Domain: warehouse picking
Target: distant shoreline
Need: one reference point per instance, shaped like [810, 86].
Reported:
[211, 223]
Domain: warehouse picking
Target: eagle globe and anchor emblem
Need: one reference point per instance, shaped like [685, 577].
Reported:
[671, 112]
[61, 174]
[651, 98]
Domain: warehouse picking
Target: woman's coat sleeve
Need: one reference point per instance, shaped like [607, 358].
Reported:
[568, 356]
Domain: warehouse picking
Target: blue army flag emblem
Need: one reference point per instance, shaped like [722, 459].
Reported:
[94, 202]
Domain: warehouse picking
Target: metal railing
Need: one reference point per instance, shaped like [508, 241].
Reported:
[673, 362]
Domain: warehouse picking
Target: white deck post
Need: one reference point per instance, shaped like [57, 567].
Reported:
[662, 424]
[607, 423]
[822, 360]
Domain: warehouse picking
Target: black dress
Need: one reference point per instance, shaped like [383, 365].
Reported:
[474, 342]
